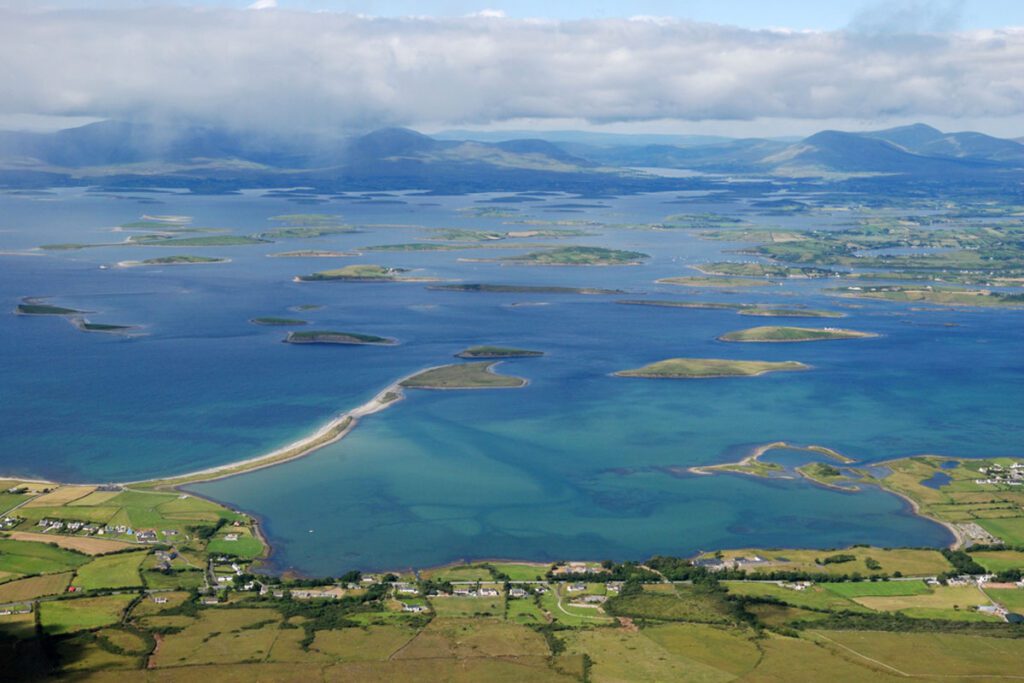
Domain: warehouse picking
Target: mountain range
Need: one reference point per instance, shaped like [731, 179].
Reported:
[139, 153]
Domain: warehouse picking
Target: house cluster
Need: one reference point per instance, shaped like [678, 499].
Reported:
[415, 609]
[589, 601]
[8, 523]
[225, 571]
[717, 564]
[482, 592]
[77, 527]
[8, 611]
[577, 568]
[163, 560]
[1013, 475]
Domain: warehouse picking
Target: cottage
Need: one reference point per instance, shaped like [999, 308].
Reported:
[577, 587]
[516, 593]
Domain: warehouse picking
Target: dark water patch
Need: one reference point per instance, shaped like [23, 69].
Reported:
[937, 480]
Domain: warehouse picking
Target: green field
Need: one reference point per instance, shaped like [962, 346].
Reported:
[463, 376]
[34, 587]
[878, 588]
[120, 570]
[66, 616]
[1010, 530]
[247, 546]
[697, 368]
[684, 603]
[814, 597]
[772, 333]
[999, 560]
[20, 557]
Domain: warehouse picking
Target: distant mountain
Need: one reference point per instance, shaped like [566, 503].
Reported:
[191, 154]
[928, 141]
[580, 137]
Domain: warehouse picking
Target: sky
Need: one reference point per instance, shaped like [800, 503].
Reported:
[731, 67]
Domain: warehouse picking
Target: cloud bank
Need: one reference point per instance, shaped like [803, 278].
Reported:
[305, 71]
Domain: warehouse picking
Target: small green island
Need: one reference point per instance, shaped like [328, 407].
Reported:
[711, 281]
[776, 333]
[579, 256]
[497, 352]
[163, 240]
[707, 305]
[463, 376]
[305, 232]
[357, 273]
[86, 326]
[173, 261]
[313, 253]
[700, 368]
[273, 320]
[332, 337]
[522, 289]
[791, 312]
[33, 307]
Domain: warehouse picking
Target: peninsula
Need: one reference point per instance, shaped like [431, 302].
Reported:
[701, 368]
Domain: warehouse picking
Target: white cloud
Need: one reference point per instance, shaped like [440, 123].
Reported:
[316, 70]
[263, 4]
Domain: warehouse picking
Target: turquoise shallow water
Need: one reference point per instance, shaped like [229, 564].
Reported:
[579, 463]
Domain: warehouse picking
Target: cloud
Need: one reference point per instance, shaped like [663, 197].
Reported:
[263, 4]
[303, 70]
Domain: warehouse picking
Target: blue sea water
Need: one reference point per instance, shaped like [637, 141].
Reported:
[577, 464]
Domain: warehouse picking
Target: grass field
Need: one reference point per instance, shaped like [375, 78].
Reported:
[19, 557]
[111, 571]
[815, 597]
[9, 500]
[941, 597]
[685, 603]
[522, 572]
[935, 654]
[468, 607]
[729, 649]
[1010, 531]
[525, 611]
[1010, 598]
[62, 495]
[66, 616]
[878, 588]
[222, 636]
[148, 605]
[908, 562]
[623, 655]
[83, 544]
[372, 643]
[246, 547]
[34, 587]
[458, 573]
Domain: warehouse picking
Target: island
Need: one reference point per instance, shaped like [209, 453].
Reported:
[86, 326]
[358, 273]
[172, 261]
[709, 305]
[32, 306]
[305, 232]
[162, 240]
[522, 289]
[273, 320]
[313, 253]
[331, 337]
[791, 312]
[772, 333]
[700, 368]
[711, 281]
[463, 376]
[579, 256]
[496, 352]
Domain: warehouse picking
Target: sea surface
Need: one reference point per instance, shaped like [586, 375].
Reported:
[579, 464]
